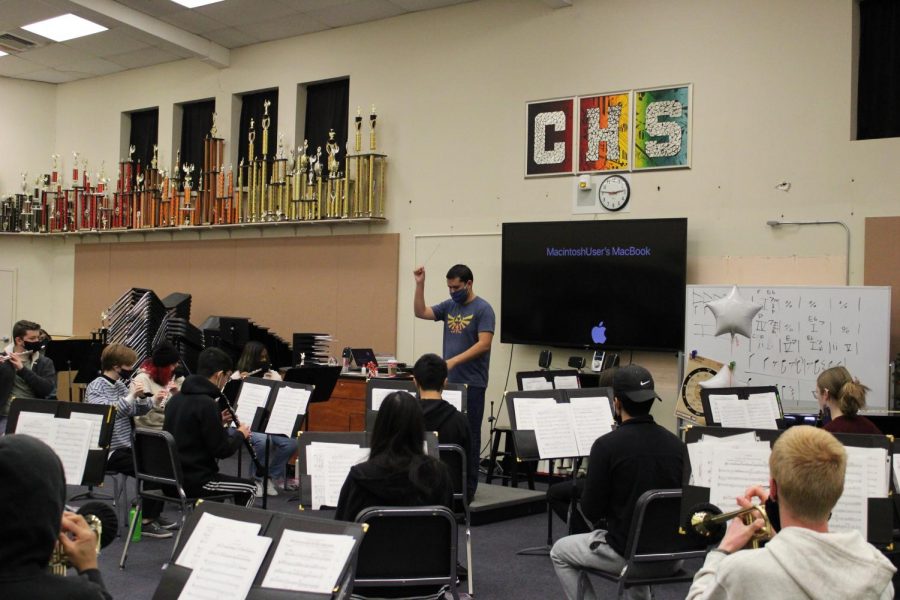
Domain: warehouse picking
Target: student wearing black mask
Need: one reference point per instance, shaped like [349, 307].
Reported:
[254, 362]
[24, 371]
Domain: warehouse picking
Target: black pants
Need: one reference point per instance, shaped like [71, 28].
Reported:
[244, 490]
[559, 495]
[121, 460]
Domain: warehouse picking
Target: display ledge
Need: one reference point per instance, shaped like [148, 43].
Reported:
[234, 226]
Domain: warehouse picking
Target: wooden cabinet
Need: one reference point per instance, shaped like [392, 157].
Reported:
[344, 411]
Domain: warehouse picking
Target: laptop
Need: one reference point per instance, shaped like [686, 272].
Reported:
[363, 356]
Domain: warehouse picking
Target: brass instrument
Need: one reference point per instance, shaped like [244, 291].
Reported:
[707, 521]
[59, 562]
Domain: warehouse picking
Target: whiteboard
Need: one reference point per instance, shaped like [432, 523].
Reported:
[800, 332]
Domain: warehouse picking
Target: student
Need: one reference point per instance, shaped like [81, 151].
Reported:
[32, 501]
[254, 362]
[637, 457]
[157, 375]
[24, 371]
[451, 426]
[398, 472]
[194, 420]
[843, 396]
[130, 401]
[803, 560]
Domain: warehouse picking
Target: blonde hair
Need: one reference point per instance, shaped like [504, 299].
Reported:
[847, 391]
[117, 355]
[808, 467]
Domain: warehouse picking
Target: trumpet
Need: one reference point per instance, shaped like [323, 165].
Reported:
[708, 521]
[59, 561]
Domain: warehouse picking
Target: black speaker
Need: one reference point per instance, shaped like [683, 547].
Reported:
[545, 359]
[576, 362]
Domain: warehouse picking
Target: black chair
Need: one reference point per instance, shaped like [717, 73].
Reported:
[653, 540]
[414, 547]
[454, 457]
[156, 462]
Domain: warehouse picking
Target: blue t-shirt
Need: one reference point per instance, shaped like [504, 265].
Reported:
[462, 324]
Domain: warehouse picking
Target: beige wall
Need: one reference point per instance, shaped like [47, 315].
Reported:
[772, 103]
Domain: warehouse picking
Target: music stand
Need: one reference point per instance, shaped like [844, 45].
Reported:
[322, 377]
[75, 355]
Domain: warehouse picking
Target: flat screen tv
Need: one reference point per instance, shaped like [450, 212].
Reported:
[612, 284]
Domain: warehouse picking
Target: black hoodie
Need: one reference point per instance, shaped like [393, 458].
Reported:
[425, 482]
[32, 497]
[193, 419]
[452, 427]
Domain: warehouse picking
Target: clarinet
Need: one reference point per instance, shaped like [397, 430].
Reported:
[237, 423]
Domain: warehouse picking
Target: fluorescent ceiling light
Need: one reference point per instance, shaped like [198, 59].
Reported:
[195, 3]
[64, 27]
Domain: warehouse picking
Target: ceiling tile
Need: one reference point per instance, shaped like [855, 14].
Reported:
[193, 21]
[414, 5]
[296, 24]
[107, 43]
[154, 8]
[236, 13]
[143, 58]
[15, 13]
[52, 76]
[308, 5]
[11, 66]
[55, 54]
[93, 67]
[352, 13]
[231, 37]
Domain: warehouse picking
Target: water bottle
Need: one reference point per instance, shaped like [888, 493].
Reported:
[136, 536]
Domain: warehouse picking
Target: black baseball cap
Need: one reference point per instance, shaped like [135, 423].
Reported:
[634, 383]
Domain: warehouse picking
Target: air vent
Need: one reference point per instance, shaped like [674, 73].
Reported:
[15, 43]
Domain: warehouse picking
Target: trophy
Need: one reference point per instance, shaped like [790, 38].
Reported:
[213, 130]
[155, 161]
[186, 205]
[55, 173]
[131, 150]
[372, 118]
[74, 169]
[357, 147]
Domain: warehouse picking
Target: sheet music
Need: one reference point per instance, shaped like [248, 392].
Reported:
[289, 403]
[733, 471]
[593, 418]
[207, 532]
[228, 567]
[454, 397]
[70, 439]
[525, 409]
[874, 461]
[536, 383]
[762, 411]
[328, 466]
[378, 396]
[308, 562]
[35, 424]
[555, 431]
[895, 464]
[96, 425]
[251, 397]
[565, 382]
[852, 508]
[715, 400]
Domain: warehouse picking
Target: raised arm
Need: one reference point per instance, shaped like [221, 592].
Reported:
[420, 309]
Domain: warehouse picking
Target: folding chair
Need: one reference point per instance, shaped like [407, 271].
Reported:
[156, 462]
[653, 541]
[411, 547]
[454, 457]
[120, 497]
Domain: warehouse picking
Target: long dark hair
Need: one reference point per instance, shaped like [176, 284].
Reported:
[399, 431]
[251, 357]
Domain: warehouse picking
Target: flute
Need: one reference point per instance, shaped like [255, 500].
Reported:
[5, 357]
[234, 418]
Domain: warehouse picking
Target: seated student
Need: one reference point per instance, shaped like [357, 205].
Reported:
[110, 388]
[24, 371]
[803, 560]
[843, 396]
[559, 495]
[194, 420]
[638, 456]
[452, 427]
[157, 375]
[32, 501]
[254, 362]
[398, 472]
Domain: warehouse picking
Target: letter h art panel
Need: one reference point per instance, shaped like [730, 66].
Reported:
[604, 142]
[550, 146]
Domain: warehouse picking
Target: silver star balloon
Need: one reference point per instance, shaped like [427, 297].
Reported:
[733, 314]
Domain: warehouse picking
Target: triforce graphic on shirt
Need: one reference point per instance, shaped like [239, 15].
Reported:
[457, 323]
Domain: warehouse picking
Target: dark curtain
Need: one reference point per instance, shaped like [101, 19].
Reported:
[327, 105]
[878, 95]
[252, 108]
[144, 134]
[196, 121]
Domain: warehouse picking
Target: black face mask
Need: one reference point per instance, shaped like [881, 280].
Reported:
[33, 346]
[265, 366]
[126, 373]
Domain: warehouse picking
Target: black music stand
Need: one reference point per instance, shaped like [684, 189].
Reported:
[323, 378]
[81, 355]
